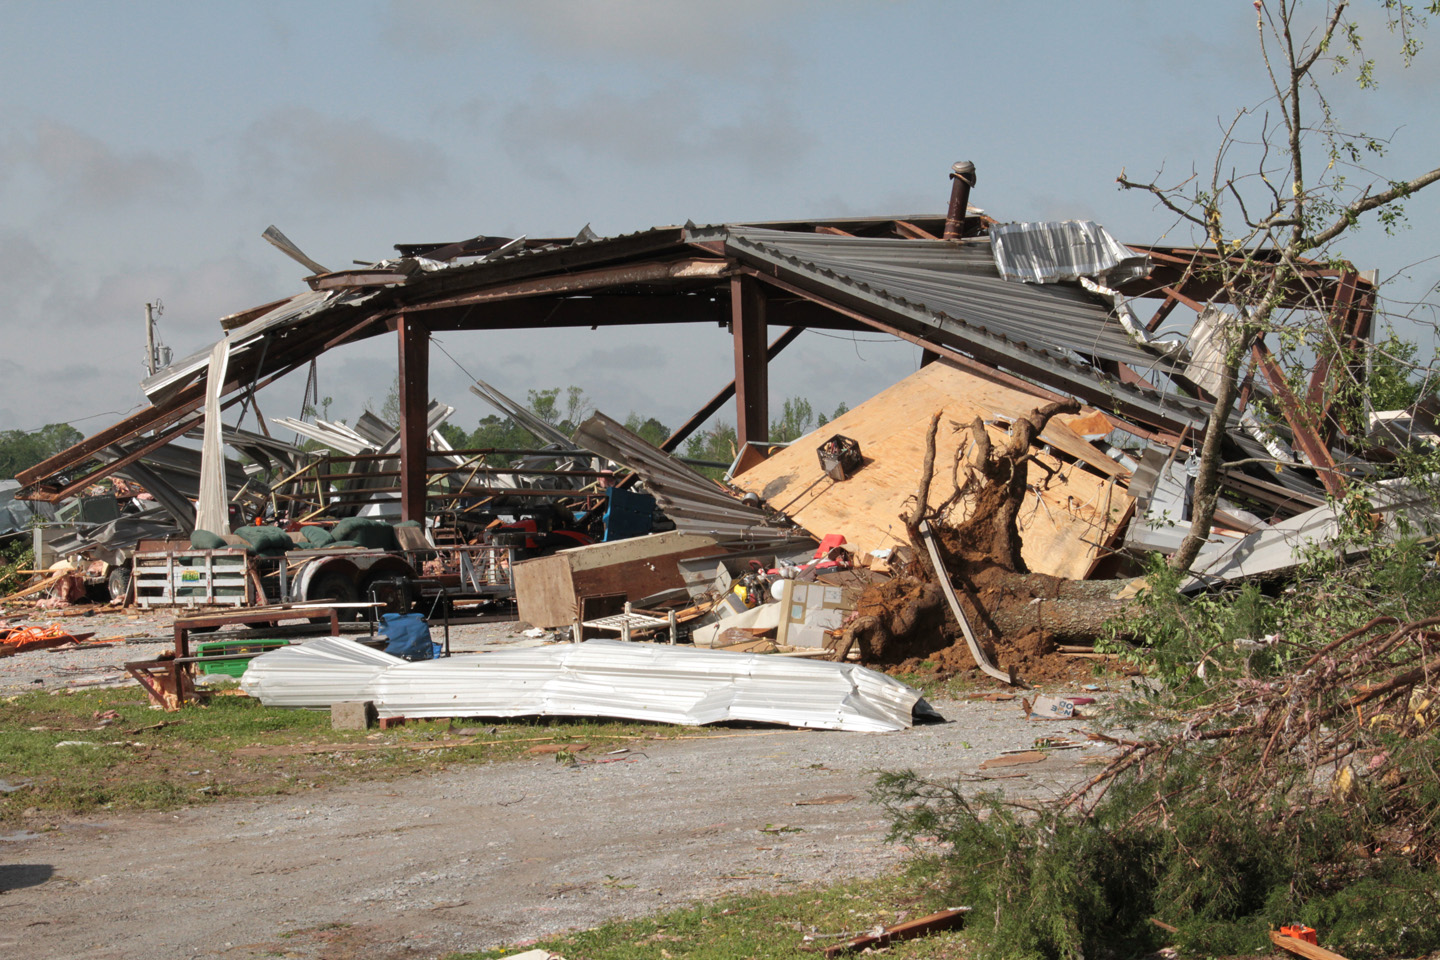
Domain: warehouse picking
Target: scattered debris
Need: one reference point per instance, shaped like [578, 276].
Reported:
[825, 801]
[1061, 434]
[558, 748]
[1046, 707]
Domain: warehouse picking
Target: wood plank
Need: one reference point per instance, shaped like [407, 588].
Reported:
[944, 920]
[1301, 948]
[1074, 511]
[544, 592]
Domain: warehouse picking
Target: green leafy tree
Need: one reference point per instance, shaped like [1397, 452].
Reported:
[1392, 383]
[547, 405]
[719, 444]
[840, 411]
[20, 450]
[797, 418]
[648, 428]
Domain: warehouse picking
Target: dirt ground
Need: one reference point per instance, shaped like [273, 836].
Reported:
[483, 855]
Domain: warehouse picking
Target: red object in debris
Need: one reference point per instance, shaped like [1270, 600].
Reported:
[1300, 932]
[831, 541]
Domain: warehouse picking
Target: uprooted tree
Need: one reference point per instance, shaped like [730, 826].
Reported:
[980, 554]
[1310, 181]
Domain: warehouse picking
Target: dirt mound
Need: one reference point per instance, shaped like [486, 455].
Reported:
[1032, 656]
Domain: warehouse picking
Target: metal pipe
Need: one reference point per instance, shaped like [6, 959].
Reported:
[962, 178]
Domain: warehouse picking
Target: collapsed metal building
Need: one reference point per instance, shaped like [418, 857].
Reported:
[1050, 310]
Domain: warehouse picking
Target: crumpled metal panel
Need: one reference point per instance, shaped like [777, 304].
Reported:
[1405, 508]
[167, 382]
[120, 534]
[1053, 251]
[696, 503]
[604, 678]
[520, 414]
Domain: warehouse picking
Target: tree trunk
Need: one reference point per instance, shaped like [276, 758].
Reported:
[1207, 479]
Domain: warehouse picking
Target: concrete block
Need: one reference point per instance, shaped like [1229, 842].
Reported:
[352, 715]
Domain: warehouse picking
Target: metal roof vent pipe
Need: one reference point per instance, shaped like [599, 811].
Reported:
[962, 178]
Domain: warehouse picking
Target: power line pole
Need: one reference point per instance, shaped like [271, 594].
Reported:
[150, 338]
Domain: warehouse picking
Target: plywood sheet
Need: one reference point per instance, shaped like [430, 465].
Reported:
[1074, 511]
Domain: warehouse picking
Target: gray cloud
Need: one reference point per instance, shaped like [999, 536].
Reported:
[84, 336]
[81, 167]
[654, 129]
[335, 159]
[705, 37]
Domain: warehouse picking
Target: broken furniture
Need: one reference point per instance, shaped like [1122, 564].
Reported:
[628, 622]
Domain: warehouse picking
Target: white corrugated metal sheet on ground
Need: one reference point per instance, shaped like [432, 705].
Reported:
[598, 678]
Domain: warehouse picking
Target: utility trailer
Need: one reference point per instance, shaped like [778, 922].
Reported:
[172, 574]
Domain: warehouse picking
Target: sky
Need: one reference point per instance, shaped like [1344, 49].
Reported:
[145, 146]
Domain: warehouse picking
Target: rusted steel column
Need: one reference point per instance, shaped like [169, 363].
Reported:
[414, 388]
[962, 178]
[752, 388]
[1307, 438]
[1340, 321]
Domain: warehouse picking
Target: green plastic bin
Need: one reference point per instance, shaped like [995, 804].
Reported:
[225, 648]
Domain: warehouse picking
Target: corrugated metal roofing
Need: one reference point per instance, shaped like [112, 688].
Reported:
[1405, 508]
[961, 281]
[165, 383]
[956, 292]
[695, 503]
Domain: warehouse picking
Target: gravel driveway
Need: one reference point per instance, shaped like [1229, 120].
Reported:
[482, 855]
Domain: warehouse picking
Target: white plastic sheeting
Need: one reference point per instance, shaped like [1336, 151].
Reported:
[598, 678]
[213, 511]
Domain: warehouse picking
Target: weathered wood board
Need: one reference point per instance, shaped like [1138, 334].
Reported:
[1061, 528]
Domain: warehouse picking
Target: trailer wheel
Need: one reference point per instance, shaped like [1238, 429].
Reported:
[118, 582]
[339, 588]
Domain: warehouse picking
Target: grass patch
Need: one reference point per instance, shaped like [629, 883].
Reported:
[79, 752]
[760, 926]
[933, 685]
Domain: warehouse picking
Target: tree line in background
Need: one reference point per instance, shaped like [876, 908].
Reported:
[563, 408]
[21, 450]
